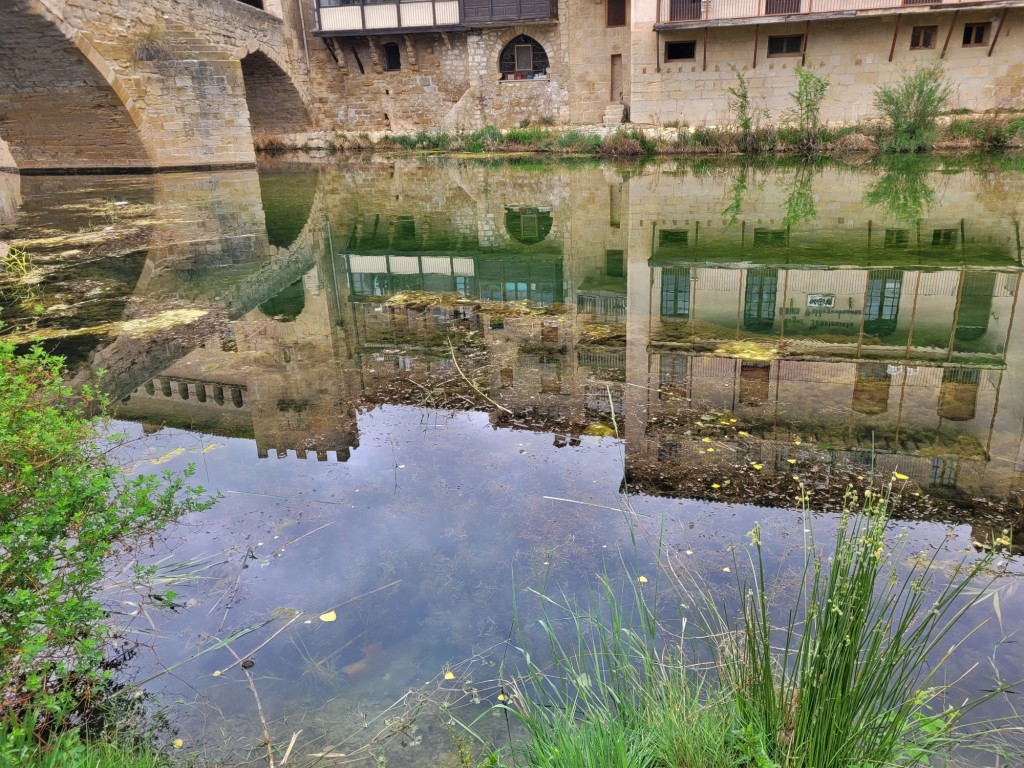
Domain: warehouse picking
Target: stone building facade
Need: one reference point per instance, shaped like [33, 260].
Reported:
[658, 62]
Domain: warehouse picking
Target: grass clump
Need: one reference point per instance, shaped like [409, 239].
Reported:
[63, 508]
[912, 107]
[836, 666]
[20, 747]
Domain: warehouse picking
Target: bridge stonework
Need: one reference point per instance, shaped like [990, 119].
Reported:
[154, 84]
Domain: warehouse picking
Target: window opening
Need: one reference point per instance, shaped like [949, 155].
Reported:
[684, 10]
[675, 292]
[392, 57]
[923, 37]
[523, 59]
[976, 34]
[616, 13]
[681, 50]
[786, 45]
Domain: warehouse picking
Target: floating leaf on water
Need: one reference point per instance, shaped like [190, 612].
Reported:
[642, 579]
[705, 439]
[329, 616]
[599, 430]
[727, 569]
[900, 476]
[715, 485]
[711, 450]
[449, 675]
[212, 447]
[758, 466]
[178, 743]
[501, 697]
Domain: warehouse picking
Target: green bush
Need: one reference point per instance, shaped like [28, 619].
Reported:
[63, 508]
[806, 115]
[484, 140]
[912, 107]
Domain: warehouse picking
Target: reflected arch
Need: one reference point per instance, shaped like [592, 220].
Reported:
[61, 105]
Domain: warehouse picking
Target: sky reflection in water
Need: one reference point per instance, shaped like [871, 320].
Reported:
[743, 324]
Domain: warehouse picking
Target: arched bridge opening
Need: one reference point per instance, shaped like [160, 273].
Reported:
[57, 109]
[275, 106]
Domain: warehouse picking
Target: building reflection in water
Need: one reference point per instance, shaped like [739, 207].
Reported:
[798, 313]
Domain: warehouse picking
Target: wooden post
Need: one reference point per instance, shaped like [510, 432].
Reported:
[949, 34]
[704, 67]
[803, 43]
[999, 29]
[757, 31]
[895, 34]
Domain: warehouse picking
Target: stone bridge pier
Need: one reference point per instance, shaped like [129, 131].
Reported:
[89, 85]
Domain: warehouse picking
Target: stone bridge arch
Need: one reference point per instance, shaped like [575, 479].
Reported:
[147, 84]
[276, 104]
[61, 104]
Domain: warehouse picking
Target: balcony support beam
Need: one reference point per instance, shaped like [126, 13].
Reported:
[895, 34]
[803, 43]
[1002, 19]
[949, 34]
[757, 32]
[704, 64]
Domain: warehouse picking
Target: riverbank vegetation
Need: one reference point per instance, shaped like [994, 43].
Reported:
[65, 507]
[836, 657]
[913, 117]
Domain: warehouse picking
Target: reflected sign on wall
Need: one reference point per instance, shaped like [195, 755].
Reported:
[821, 300]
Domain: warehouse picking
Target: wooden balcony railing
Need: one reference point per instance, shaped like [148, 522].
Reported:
[690, 11]
[369, 16]
[373, 15]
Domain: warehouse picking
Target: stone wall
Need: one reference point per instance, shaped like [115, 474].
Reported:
[146, 83]
[853, 54]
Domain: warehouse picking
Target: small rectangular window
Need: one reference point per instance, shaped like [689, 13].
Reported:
[923, 37]
[392, 57]
[524, 58]
[616, 13]
[681, 50]
[786, 45]
[897, 238]
[944, 238]
[615, 263]
[976, 34]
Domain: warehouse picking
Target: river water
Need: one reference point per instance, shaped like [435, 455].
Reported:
[425, 388]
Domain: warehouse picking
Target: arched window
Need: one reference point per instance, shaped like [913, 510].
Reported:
[523, 59]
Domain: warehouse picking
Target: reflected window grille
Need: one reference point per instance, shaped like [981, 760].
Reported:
[944, 471]
[674, 375]
[882, 303]
[944, 238]
[759, 299]
[897, 238]
[675, 292]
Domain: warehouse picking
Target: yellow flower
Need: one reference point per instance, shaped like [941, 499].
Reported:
[501, 697]
[791, 461]
[177, 743]
[715, 485]
[796, 442]
[727, 569]
[449, 675]
[642, 579]
[758, 466]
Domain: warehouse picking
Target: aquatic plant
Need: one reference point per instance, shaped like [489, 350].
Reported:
[848, 673]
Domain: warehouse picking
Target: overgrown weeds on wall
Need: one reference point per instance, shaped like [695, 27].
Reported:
[806, 113]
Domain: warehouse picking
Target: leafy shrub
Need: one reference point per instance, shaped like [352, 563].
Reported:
[806, 115]
[484, 140]
[578, 142]
[912, 107]
[63, 507]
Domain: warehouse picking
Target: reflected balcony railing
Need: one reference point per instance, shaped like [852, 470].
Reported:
[683, 11]
[369, 16]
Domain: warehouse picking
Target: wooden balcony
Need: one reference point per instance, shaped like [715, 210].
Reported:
[681, 13]
[367, 17]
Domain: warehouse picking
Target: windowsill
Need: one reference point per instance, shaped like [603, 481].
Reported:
[526, 80]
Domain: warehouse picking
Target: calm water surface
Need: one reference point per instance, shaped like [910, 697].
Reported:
[423, 387]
